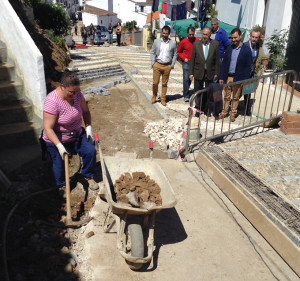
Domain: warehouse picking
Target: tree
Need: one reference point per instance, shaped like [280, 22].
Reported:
[51, 17]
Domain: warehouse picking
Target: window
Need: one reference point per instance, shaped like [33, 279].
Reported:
[142, 9]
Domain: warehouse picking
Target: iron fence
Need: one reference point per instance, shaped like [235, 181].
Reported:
[270, 96]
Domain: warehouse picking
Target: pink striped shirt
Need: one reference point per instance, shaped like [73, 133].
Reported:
[68, 118]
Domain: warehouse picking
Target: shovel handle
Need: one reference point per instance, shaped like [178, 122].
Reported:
[68, 190]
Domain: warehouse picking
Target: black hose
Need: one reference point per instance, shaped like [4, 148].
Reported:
[6, 225]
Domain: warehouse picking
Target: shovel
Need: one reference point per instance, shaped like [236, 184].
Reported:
[69, 222]
[102, 186]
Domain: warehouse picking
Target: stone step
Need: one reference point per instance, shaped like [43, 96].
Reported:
[6, 71]
[15, 112]
[10, 91]
[95, 61]
[14, 159]
[19, 134]
[93, 66]
[3, 53]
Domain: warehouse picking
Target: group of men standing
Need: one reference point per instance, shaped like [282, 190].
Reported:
[209, 60]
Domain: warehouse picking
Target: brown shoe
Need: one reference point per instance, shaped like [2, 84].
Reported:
[163, 102]
[153, 100]
[222, 115]
[232, 118]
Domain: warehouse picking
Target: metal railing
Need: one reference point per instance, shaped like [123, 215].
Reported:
[271, 95]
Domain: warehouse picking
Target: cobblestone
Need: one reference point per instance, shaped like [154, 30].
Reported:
[273, 157]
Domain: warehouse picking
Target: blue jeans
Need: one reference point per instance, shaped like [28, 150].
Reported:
[110, 38]
[98, 39]
[186, 79]
[84, 148]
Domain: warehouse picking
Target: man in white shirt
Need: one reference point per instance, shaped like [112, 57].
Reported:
[163, 57]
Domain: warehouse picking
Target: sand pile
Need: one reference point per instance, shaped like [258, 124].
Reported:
[137, 190]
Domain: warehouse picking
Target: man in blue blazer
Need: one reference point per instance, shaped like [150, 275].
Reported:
[236, 66]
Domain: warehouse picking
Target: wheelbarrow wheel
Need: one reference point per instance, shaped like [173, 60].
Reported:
[135, 233]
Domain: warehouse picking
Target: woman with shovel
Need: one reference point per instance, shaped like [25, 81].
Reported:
[62, 119]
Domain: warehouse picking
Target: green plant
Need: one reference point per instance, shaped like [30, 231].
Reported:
[276, 45]
[59, 40]
[51, 16]
[130, 25]
[212, 11]
[257, 27]
[151, 36]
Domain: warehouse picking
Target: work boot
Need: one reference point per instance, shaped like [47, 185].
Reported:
[92, 184]
[163, 102]
[153, 100]
[223, 115]
[62, 191]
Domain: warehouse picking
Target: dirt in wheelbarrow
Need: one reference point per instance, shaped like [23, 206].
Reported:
[38, 246]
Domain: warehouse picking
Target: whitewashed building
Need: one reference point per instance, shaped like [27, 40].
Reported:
[126, 10]
[70, 6]
[98, 16]
[273, 14]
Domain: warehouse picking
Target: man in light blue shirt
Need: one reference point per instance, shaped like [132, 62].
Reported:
[236, 66]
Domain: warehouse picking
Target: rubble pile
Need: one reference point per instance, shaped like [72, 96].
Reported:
[137, 190]
[165, 132]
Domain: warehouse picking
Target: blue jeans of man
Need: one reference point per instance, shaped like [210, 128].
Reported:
[110, 38]
[84, 148]
[186, 79]
[98, 39]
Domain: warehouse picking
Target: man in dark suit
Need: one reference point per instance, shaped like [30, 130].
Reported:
[236, 66]
[204, 65]
[253, 44]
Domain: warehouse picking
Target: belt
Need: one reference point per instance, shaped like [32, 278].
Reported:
[166, 63]
[231, 74]
[74, 133]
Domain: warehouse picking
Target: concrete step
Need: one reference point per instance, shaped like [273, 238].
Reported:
[10, 90]
[18, 111]
[6, 71]
[14, 159]
[19, 134]
[3, 53]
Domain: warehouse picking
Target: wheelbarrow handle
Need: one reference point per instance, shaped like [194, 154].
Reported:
[96, 137]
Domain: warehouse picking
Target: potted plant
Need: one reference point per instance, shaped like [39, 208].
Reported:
[276, 45]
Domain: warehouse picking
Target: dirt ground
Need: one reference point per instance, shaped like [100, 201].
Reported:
[120, 118]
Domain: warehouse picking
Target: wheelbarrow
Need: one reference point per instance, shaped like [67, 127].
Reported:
[133, 223]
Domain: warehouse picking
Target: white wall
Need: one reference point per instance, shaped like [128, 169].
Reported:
[106, 20]
[27, 58]
[279, 14]
[102, 4]
[124, 9]
[88, 18]
[244, 13]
